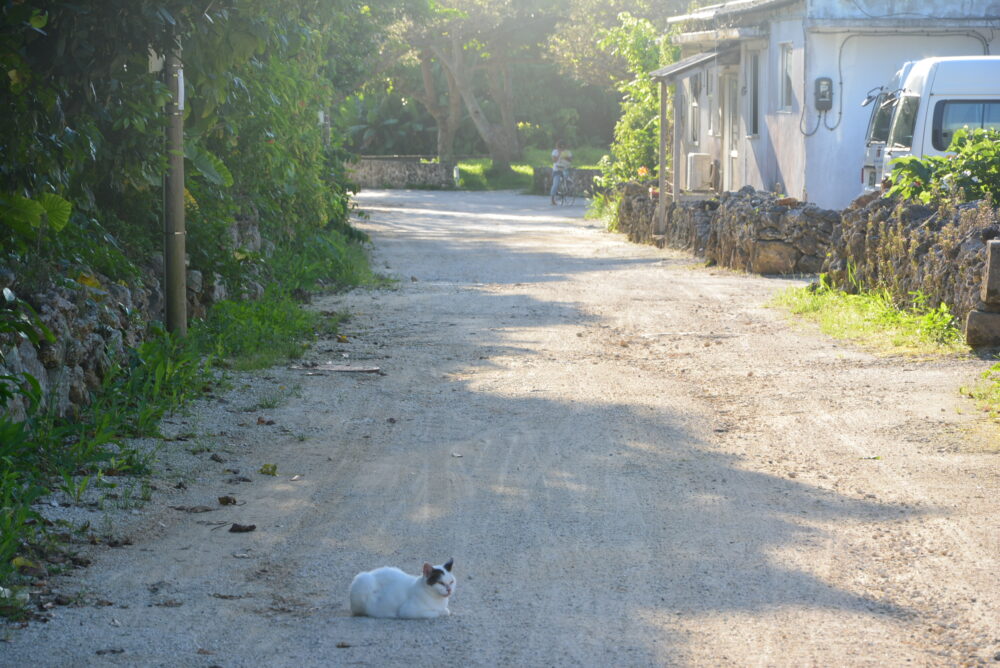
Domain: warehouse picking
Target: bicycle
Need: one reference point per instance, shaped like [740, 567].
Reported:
[567, 190]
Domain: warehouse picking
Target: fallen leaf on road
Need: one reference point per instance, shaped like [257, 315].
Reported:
[264, 420]
[269, 469]
[169, 603]
[193, 509]
[343, 645]
[242, 528]
[342, 338]
[227, 500]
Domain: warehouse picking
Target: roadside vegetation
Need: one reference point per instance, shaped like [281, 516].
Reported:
[879, 318]
[80, 209]
[873, 320]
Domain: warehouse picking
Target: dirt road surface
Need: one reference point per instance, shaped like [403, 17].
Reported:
[632, 460]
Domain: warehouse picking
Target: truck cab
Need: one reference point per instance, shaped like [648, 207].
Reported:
[883, 100]
[939, 96]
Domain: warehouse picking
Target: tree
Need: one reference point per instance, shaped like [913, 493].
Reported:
[475, 43]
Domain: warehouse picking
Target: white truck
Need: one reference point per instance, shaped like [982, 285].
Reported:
[936, 97]
[884, 98]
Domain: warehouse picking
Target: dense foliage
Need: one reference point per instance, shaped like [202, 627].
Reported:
[82, 146]
[83, 134]
[970, 171]
[635, 151]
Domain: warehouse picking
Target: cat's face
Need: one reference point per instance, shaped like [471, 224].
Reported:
[440, 579]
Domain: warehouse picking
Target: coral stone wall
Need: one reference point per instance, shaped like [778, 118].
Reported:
[402, 172]
[909, 248]
[542, 180]
[876, 243]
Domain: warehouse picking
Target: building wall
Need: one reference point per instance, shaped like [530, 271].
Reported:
[875, 9]
[858, 62]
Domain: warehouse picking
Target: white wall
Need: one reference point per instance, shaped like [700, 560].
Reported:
[861, 62]
[874, 9]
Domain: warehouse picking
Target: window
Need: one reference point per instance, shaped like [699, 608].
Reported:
[710, 100]
[694, 110]
[753, 97]
[951, 115]
[786, 91]
[718, 107]
[881, 118]
[901, 135]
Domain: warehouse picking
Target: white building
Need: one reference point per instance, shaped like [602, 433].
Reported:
[767, 92]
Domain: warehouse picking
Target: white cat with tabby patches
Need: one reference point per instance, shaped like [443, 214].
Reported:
[389, 592]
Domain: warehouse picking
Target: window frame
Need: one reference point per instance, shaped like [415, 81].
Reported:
[753, 94]
[786, 87]
[937, 135]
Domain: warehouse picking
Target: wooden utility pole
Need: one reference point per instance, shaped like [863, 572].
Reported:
[175, 278]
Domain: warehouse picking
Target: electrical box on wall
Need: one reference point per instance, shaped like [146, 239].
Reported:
[824, 94]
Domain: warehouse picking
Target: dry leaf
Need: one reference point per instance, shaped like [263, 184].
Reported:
[193, 509]
[242, 528]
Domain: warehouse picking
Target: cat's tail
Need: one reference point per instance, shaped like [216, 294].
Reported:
[362, 589]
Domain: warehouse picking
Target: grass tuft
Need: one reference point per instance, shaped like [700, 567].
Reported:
[872, 320]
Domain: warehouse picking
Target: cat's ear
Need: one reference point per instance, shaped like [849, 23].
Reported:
[427, 569]
[448, 564]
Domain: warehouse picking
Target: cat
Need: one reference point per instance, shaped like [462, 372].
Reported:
[389, 592]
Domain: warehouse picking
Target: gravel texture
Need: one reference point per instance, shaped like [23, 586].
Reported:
[632, 460]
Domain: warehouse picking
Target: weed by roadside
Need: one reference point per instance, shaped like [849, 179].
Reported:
[874, 321]
[44, 453]
[986, 393]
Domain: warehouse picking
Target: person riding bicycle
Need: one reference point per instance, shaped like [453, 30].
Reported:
[562, 159]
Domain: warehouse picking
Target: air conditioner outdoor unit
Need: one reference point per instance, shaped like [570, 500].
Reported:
[698, 171]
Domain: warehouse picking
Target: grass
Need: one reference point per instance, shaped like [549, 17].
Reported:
[872, 320]
[45, 453]
[477, 174]
[986, 393]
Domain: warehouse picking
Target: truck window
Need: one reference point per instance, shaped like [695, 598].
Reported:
[901, 135]
[881, 120]
[950, 115]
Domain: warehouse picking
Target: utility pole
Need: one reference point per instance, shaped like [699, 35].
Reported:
[175, 278]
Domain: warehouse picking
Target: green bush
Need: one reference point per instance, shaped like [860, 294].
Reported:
[637, 133]
[970, 171]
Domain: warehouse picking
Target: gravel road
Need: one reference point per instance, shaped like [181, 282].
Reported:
[631, 458]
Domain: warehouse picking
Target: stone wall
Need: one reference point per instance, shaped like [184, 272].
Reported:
[402, 172]
[904, 249]
[95, 320]
[541, 182]
[909, 248]
[747, 230]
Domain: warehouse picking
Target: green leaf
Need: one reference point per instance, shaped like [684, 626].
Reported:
[20, 213]
[208, 165]
[57, 210]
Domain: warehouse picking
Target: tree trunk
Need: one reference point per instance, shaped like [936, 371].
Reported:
[446, 117]
[500, 138]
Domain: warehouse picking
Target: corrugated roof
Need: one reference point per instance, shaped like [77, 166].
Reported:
[674, 70]
[726, 8]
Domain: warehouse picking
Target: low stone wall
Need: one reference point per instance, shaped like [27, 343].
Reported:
[747, 230]
[904, 248]
[541, 182]
[912, 248]
[402, 172]
[95, 320]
